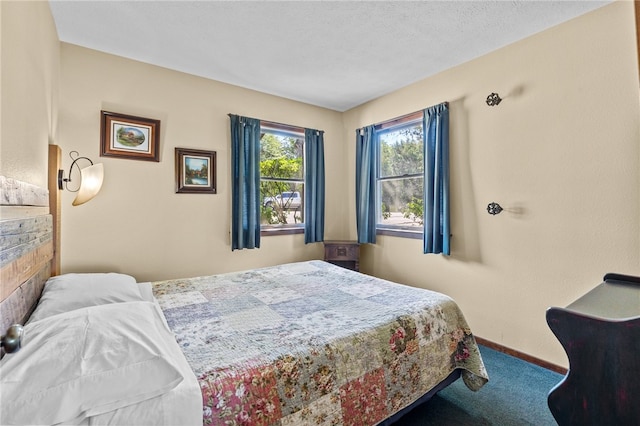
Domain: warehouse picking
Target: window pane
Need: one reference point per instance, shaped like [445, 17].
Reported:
[281, 203]
[401, 202]
[281, 156]
[281, 178]
[401, 151]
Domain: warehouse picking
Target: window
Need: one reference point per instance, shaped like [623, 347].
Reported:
[390, 158]
[400, 178]
[281, 177]
[272, 166]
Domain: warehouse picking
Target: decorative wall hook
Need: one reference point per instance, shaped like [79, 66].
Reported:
[494, 208]
[493, 99]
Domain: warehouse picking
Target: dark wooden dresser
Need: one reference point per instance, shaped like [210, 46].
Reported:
[343, 253]
[600, 333]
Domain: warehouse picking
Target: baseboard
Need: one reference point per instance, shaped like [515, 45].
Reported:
[528, 358]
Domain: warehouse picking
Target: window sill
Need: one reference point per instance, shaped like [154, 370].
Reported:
[281, 230]
[402, 233]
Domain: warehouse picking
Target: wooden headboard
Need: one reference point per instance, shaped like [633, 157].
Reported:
[29, 254]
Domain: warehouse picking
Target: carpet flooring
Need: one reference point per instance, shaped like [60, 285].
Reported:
[516, 395]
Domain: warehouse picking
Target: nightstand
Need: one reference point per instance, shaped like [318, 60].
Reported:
[343, 253]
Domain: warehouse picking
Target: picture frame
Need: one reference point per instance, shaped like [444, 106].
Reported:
[195, 171]
[129, 137]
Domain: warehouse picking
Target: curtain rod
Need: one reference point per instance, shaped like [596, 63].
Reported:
[281, 125]
[395, 120]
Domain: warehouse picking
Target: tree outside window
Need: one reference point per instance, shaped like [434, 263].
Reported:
[281, 177]
[400, 176]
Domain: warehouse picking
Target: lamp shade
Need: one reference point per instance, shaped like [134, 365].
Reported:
[90, 183]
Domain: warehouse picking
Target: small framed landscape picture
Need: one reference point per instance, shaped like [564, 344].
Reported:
[195, 171]
[126, 136]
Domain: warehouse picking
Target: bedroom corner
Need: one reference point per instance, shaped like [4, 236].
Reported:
[568, 181]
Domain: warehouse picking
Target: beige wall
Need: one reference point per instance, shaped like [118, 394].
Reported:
[30, 62]
[560, 154]
[138, 224]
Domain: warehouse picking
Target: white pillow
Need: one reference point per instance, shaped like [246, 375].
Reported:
[85, 363]
[67, 292]
[146, 291]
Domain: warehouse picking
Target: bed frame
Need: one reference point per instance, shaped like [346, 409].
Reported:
[29, 243]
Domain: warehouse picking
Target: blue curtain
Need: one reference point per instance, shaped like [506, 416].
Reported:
[437, 227]
[366, 163]
[245, 185]
[314, 186]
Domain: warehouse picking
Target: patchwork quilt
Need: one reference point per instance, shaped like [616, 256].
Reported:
[311, 343]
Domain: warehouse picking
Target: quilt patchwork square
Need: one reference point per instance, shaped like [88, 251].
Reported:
[177, 300]
[324, 411]
[272, 296]
[363, 400]
[236, 304]
[250, 398]
[257, 318]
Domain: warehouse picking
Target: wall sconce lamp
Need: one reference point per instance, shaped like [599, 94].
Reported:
[493, 99]
[90, 179]
[12, 340]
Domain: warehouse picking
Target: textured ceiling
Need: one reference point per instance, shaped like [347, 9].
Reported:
[334, 54]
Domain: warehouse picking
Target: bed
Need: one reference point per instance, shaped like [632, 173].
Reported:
[314, 343]
[296, 344]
